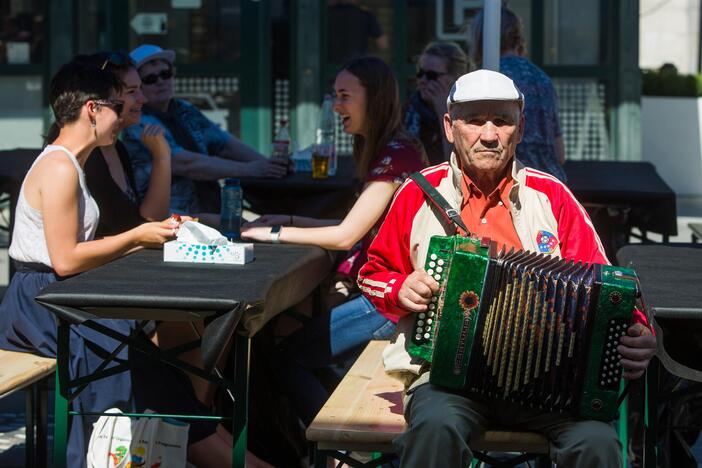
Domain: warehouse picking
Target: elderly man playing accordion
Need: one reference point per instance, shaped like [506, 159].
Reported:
[517, 207]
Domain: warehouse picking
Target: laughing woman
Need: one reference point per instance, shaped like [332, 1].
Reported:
[368, 102]
[55, 223]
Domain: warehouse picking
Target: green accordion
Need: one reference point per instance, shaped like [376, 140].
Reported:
[528, 328]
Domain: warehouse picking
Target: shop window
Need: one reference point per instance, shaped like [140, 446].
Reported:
[22, 32]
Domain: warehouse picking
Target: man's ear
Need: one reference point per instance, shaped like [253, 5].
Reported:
[448, 127]
[521, 126]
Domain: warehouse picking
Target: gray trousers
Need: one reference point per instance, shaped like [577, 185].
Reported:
[440, 424]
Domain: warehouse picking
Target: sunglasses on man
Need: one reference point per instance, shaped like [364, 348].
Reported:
[115, 105]
[430, 74]
[152, 78]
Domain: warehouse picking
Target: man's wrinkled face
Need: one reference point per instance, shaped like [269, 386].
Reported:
[485, 134]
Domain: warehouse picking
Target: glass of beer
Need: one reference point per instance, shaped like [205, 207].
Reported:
[320, 161]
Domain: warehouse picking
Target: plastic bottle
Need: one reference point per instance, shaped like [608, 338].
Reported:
[325, 132]
[281, 143]
[230, 220]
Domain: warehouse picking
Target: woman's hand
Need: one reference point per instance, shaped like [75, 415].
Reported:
[153, 138]
[270, 220]
[156, 233]
[438, 91]
[259, 234]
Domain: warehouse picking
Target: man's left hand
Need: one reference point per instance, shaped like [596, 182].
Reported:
[637, 348]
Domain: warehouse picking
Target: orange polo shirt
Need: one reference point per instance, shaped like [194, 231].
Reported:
[490, 216]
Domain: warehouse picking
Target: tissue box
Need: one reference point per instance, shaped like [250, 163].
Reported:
[191, 252]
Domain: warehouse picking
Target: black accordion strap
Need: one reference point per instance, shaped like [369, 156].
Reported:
[433, 195]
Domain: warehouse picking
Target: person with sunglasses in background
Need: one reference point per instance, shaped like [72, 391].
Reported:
[53, 237]
[440, 64]
[201, 152]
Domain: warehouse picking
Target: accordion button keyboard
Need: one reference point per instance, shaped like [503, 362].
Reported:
[432, 264]
[433, 257]
[440, 262]
[430, 272]
[610, 369]
[437, 277]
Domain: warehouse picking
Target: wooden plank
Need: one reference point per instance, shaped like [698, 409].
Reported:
[365, 413]
[18, 370]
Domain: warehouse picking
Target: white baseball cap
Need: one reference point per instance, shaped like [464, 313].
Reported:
[484, 85]
[147, 52]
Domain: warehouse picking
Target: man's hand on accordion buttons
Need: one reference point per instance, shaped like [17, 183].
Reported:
[416, 292]
[637, 348]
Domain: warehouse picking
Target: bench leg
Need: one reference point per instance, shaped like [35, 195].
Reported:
[319, 458]
[30, 422]
[61, 403]
[42, 431]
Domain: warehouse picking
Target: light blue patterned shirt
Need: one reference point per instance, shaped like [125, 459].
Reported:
[538, 146]
[206, 135]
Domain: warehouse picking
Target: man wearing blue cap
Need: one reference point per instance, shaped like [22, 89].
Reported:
[202, 152]
[517, 207]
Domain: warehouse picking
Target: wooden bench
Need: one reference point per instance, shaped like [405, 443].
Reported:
[20, 371]
[696, 229]
[365, 414]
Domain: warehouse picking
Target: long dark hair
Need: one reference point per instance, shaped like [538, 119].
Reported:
[383, 119]
[85, 78]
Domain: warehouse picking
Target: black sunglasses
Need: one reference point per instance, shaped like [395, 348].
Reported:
[430, 74]
[115, 105]
[166, 74]
[118, 59]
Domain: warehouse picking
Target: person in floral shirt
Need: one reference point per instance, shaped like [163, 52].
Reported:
[368, 102]
[542, 145]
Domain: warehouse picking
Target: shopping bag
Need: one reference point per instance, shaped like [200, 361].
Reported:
[122, 442]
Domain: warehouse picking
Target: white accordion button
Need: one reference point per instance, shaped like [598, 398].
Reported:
[437, 277]
[419, 337]
[433, 257]
[422, 315]
[430, 272]
[427, 335]
[420, 323]
[439, 269]
[432, 264]
[440, 262]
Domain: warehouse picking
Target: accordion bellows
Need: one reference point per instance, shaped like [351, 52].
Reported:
[528, 328]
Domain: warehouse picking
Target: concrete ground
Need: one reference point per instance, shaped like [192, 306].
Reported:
[12, 408]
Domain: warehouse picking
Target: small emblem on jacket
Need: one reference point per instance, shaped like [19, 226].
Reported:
[546, 241]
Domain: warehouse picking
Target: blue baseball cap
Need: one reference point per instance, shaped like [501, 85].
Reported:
[147, 52]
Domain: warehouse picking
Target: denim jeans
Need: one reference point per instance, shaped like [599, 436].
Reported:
[327, 339]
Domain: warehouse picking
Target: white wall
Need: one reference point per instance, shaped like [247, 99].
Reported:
[668, 32]
[671, 129]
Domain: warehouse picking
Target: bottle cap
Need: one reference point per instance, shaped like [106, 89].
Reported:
[231, 182]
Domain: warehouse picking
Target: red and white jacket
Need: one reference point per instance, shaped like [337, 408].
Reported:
[546, 216]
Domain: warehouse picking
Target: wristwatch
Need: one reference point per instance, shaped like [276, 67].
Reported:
[275, 234]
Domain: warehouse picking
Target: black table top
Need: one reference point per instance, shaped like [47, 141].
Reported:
[671, 287]
[138, 284]
[300, 195]
[636, 185]
[670, 275]
[14, 164]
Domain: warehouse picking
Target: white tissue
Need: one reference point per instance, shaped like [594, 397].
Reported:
[193, 232]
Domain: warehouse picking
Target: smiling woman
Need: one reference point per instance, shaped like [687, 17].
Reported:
[108, 170]
[368, 102]
[53, 236]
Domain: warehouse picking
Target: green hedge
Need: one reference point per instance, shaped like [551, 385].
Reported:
[666, 81]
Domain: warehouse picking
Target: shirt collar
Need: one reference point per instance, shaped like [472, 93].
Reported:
[502, 190]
